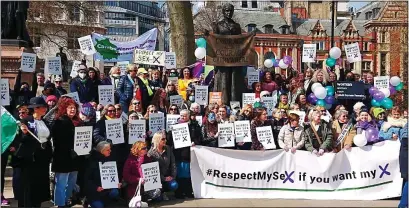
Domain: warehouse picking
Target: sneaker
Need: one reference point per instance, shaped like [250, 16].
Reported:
[164, 197]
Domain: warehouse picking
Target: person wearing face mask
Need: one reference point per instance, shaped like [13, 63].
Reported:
[191, 99]
[83, 86]
[113, 79]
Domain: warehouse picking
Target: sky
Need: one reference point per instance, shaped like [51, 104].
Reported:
[357, 4]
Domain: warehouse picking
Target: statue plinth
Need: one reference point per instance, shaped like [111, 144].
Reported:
[11, 60]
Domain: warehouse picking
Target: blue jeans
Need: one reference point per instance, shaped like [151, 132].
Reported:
[64, 185]
[404, 198]
[114, 193]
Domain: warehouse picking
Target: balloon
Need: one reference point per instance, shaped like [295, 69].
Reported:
[335, 53]
[201, 43]
[268, 63]
[360, 140]
[372, 90]
[399, 87]
[330, 62]
[371, 134]
[392, 90]
[282, 65]
[330, 99]
[387, 103]
[378, 96]
[315, 85]
[312, 99]
[276, 63]
[375, 103]
[173, 184]
[386, 92]
[330, 90]
[320, 92]
[321, 102]
[200, 53]
[328, 106]
[394, 81]
[288, 60]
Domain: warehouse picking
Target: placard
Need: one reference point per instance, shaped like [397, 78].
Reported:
[4, 92]
[270, 103]
[170, 120]
[124, 117]
[156, 58]
[83, 140]
[137, 131]
[170, 60]
[28, 62]
[350, 90]
[235, 104]
[174, 80]
[115, 131]
[201, 94]
[106, 94]
[176, 100]
[86, 45]
[74, 95]
[199, 120]
[265, 137]
[226, 135]
[109, 175]
[156, 122]
[122, 66]
[309, 53]
[53, 65]
[242, 131]
[252, 76]
[181, 135]
[74, 69]
[249, 98]
[352, 52]
[381, 82]
[215, 97]
[151, 175]
[98, 115]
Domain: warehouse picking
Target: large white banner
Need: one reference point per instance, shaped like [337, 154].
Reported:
[367, 173]
[115, 51]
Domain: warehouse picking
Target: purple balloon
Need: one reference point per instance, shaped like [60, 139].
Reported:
[275, 64]
[378, 96]
[392, 90]
[312, 99]
[330, 99]
[372, 134]
[288, 60]
[372, 90]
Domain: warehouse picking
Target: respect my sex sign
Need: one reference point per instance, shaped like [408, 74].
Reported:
[106, 94]
[226, 132]
[115, 131]
[137, 130]
[156, 122]
[151, 174]
[109, 175]
[265, 137]
[83, 140]
[181, 135]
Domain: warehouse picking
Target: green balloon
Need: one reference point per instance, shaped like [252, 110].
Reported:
[330, 62]
[321, 102]
[399, 87]
[387, 103]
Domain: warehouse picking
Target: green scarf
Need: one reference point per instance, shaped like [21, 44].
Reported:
[282, 106]
[146, 82]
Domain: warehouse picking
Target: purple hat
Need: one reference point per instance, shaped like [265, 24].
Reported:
[87, 110]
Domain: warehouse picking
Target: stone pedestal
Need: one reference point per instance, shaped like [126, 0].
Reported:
[11, 51]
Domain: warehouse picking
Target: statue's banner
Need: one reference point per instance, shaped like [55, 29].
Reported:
[115, 51]
[231, 50]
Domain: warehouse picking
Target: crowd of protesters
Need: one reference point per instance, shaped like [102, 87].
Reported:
[45, 110]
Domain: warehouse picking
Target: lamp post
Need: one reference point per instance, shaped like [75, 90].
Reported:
[333, 20]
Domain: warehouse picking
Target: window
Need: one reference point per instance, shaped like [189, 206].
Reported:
[368, 15]
[75, 15]
[72, 40]
[251, 27]
[383, 64]
[396, 15]
[268, 29]
[366, 46]
[404, 38]
[244, 4]
[375, 12]
[366, 65]
[254, 4]
[320, 45]
[382, 37]
[35, 36]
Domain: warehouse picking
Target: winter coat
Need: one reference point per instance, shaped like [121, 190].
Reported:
[84, 89]
[166, 160]
[349, 138]
[143, 94]
[59, 91]
[210, 141]
[125, 92]
[391, 127]
[403, 154]
[289, 137]
[183, 154]
[256, 145]
[22, 97]
[65, 159]
[156, 84]
[311, 141]
[93, 178]
[108, 81]
[132, 173]
[94, 89]
[276, 126]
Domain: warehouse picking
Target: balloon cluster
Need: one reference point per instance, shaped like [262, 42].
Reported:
[282, 63]
[334, 53]
[200, 51]
[380, 97]
[322, 96]
[371, 134]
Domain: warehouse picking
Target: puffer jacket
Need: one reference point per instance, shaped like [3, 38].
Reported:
[391, 127]
[291, 138]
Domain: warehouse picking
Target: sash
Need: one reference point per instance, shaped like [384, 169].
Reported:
[344, 132]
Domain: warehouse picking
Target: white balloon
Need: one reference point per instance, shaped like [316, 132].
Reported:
[282, 65]
[386, 92]
[314, 86]
[268, 63]
[335, 52]
[395, 81]
[360, 140]
[320, 92]
[200, 53]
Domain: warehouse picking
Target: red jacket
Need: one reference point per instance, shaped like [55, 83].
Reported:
[133, 172]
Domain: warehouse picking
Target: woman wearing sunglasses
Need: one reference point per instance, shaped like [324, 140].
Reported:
[173, 110]
[136, 106]
[343, 131]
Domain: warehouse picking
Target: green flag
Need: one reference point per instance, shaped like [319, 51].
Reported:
[9, 129]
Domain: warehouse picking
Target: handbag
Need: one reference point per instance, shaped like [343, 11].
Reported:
[136, 200]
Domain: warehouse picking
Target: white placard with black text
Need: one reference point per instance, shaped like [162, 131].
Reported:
[106, 94]
[53, 65]
[265, 137]
[28, 62]
[4, 92]
[156, 58]
[381, 82]
[137, 131]
[83, 140]
[352, 52]
[74, 69]
[309, 53]
[122, 66]
[242, 131]
[115, 131]
[86, 45]
[151, 175]
[109, 175]
[226, 135]
[181, 135]
[176, 100]
[170, 60]
[156, 122]
[201, 94]
[249, 98]
[170, 120]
